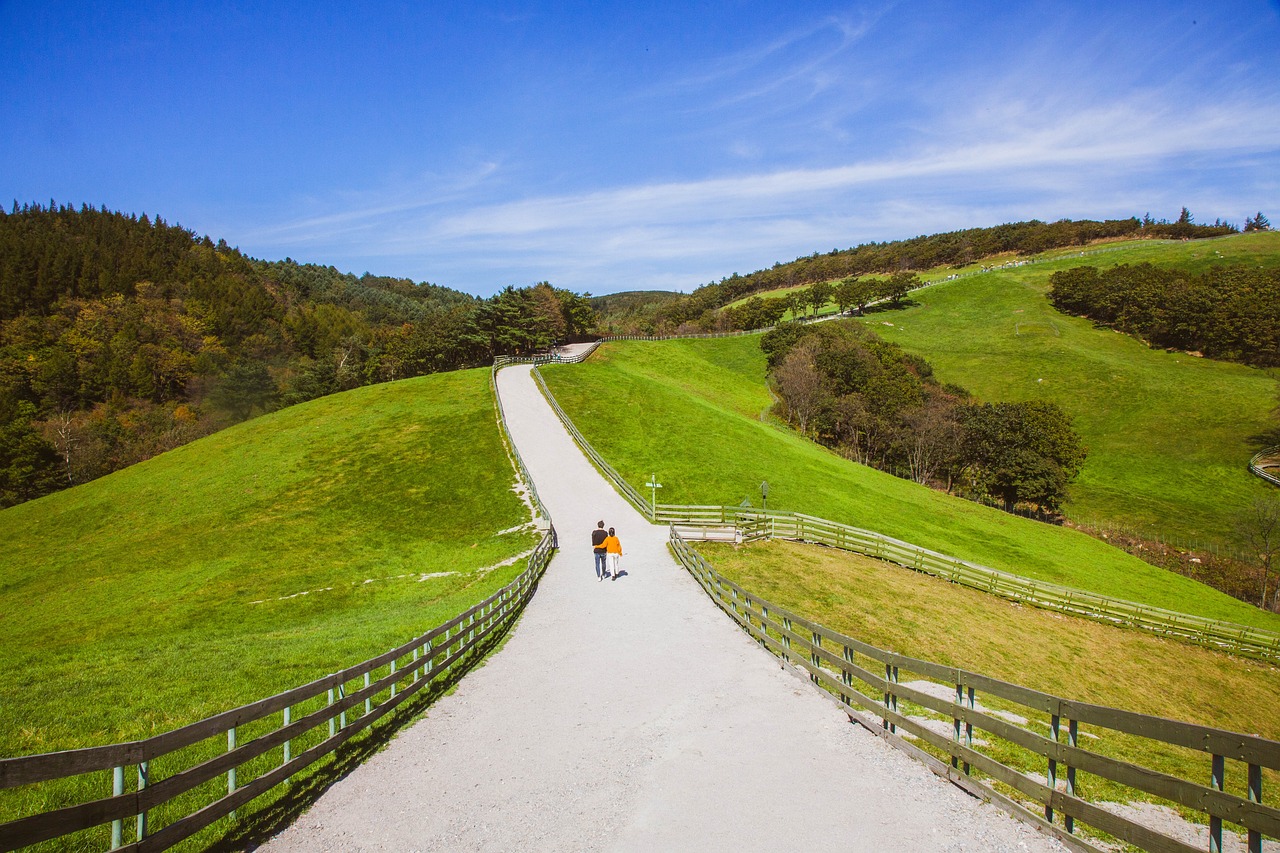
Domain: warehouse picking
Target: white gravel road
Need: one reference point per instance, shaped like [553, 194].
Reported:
[633, 715]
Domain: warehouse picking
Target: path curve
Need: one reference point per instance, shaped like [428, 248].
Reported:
[633, 715]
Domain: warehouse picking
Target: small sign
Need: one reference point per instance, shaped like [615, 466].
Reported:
[653, 485]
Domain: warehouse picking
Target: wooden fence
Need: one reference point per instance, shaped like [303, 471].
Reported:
[1226, 636]
[890, 694]
[749, 524]
[337, 707]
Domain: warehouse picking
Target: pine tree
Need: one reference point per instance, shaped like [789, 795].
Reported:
[1257, 223]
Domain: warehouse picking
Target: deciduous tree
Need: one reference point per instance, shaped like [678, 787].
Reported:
[1021, 452]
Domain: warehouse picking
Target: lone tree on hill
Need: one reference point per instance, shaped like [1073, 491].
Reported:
[899, 285]
[1021, 452]
[820, 294]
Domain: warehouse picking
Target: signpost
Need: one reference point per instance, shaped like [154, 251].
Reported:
[653, 485]
[764, 494]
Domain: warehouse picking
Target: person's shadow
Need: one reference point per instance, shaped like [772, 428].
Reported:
[622, 573]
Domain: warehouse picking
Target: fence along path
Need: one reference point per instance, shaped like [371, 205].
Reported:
[631, 715]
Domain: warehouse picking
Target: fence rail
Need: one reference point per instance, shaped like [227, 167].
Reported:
[755, 524]
[833, 662]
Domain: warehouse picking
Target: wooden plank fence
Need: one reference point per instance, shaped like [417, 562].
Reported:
[1226, 636]
[886, 692]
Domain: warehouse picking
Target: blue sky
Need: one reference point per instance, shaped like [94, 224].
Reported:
[615, 146]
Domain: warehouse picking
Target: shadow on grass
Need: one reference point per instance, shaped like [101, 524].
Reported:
[1266, 438]
[294, 798]
[887, 307]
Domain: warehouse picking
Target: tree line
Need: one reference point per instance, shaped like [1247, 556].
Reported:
[1229, 312]
[842, 385]
[699, 310]
[123, 336]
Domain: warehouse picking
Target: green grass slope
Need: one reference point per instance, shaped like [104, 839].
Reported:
[252, 561]
[691, 411]
[1169, 434]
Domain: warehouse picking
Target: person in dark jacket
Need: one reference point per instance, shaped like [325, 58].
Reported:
[597, 547]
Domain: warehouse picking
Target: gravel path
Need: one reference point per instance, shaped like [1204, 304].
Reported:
[633, 715]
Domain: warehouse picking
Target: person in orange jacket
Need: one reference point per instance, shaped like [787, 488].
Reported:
[613, 547]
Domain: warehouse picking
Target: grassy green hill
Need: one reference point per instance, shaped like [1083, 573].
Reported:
[252, 561]
[1169, 434]
[691, 411]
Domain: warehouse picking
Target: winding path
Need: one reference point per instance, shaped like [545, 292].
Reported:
[633, 715]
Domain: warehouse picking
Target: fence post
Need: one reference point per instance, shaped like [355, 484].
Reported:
[1255, 796]
[813, 656]
[288, 744]
[955, 759]
[1073, 737]
[846, 677]
[1055, 724]
[144, 773]
[1215, 822]
[968, 731]
[332, 724]
[117, 825]
[231, 774]
[368, 700]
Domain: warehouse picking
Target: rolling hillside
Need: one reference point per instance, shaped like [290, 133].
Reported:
[1169, 434]
[692, 411]
[251, 561]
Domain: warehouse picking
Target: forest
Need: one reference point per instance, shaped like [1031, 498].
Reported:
[698, 311]
[123, 336]
[1227, 312]
[876, 404]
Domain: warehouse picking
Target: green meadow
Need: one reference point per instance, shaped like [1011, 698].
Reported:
[693, 411]
[252, 561]
[1169, 434]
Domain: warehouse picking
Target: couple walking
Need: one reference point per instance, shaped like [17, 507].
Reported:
[608, 551]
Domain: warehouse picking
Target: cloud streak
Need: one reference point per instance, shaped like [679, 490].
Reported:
[630, 232]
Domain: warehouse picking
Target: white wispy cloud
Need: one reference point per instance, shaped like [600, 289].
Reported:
[636, 234]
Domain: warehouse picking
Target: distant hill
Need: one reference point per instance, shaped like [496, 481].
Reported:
[621, 313]
[697, 311]
[122, 336]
